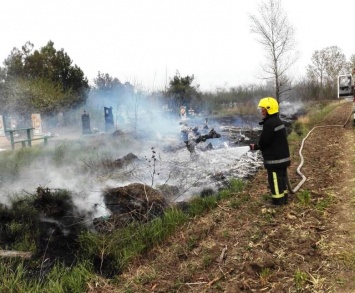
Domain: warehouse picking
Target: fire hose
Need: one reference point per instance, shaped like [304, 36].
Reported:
[294, 190]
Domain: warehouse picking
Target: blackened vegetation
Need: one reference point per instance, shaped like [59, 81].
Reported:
[117, 133]
[207, 192]
[125, 161]
[129, 204]
[192, 137]
[152, 164]
[107, 165]
[135, 202]
[50, 221]
[107, 266]
[53, 205]
[59, 225]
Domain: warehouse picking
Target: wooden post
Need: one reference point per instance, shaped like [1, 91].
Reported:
[29, 136]
[10, 253]
[11, 139]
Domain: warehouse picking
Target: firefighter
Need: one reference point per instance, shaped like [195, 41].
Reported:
[185, 133]
[274, 148]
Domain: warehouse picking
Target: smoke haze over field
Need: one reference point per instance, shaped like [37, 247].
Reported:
[87, 164]
[81, 163]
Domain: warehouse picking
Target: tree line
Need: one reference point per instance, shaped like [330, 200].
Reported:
[47, 81]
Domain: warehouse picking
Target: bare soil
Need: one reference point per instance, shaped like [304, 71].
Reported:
[252, 246]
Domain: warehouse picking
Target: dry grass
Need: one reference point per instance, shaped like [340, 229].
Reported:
[303, 119]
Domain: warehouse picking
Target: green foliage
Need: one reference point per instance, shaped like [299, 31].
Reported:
[105, 83]
[20, 231]
[180, 85]
[64, 279]
[181, 92]
[200, 205]
[324, 202]
[15, 278]
[241, 100]
[299, 128]
[108, 89]
[172, 219]
[236, 185]
[44, 80]
[41, 94]
[265, 274]
[300, 279]
[304, 197]
[46, 96]
[192, 242]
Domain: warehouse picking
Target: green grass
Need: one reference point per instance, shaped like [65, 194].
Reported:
[300, 279]
[300, 129]
[324, 202]
[304, 197]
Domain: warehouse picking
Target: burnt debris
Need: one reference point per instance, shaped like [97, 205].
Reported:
[192, 136]
[135, 202]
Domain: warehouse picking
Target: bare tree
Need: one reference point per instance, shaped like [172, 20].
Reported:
[134, 100]
[276, 35]
[326, 65]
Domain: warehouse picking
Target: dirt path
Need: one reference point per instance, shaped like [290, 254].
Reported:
[329, 167]
[247, 245]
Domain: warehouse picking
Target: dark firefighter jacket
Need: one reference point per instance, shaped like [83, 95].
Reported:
[273, 143]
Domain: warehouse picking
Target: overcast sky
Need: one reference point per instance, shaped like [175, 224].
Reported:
[146, 41]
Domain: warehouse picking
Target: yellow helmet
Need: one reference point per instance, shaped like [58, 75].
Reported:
[270, 104]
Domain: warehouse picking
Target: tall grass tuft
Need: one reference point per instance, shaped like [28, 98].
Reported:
[73, 279]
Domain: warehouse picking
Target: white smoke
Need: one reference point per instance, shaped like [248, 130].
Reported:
[155, 129]
[290, 108]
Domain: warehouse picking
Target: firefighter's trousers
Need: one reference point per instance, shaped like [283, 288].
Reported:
[277, 179]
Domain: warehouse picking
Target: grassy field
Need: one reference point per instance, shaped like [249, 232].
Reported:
[75, 257]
